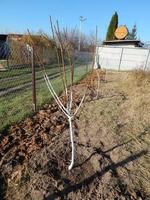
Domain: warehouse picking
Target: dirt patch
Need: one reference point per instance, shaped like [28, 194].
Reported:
[35, 154]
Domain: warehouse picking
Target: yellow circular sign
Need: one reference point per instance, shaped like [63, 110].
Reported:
[121, 32]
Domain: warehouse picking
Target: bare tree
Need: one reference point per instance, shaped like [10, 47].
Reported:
[64, 49]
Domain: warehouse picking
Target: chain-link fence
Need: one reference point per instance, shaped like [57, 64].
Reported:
[22, 87]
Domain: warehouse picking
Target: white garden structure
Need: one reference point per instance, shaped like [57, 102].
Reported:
[123, 58]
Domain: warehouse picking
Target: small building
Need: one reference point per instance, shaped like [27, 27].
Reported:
[123, 43]
[122, 53]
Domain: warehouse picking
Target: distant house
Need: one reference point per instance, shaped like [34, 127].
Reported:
[15, 37]
[123, 55]
[15, 49]
[4, 48]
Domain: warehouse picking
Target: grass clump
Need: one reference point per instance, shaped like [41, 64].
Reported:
[140, 76]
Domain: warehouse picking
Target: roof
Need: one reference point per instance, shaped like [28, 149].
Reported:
[134, 42]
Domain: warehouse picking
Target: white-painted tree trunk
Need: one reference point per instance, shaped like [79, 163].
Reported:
[72, 143]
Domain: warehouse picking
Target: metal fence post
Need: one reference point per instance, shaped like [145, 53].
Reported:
[33, 80]
[86, 69]
[147, 59]
[7, 63]
[120, 58]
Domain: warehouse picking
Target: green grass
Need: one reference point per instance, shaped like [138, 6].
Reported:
[12, 72]
[18, 77]
[23, 79]
[16, 107]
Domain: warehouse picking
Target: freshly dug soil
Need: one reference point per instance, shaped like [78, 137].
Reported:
[35, 154]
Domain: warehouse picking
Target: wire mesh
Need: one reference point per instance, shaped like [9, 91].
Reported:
[16, 77]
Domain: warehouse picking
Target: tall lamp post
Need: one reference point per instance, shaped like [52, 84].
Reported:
[82, 19]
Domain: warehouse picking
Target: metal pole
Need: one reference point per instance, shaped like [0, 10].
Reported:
[86, 68]
[96, 50]
[147, 59]
[80, 35]
[33, 80]
[82, 19]
[7, 63]
[43, 54]
[9, 53]
[120, 58]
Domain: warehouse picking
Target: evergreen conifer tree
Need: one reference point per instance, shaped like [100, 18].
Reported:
[133, 34]
[112, 27]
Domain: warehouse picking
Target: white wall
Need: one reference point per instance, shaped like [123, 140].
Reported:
[125, 58]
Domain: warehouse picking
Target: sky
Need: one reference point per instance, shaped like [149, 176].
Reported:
[16, 16]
